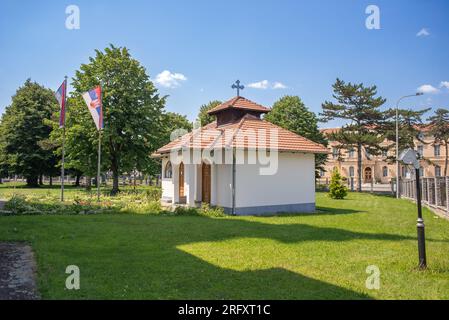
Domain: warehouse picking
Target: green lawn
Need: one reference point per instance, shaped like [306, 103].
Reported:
[310, 256]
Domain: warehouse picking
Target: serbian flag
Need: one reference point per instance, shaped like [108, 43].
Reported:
[93, 101]
[61, 95]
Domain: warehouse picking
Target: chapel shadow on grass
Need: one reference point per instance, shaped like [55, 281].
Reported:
[199, 279]
[151, 258]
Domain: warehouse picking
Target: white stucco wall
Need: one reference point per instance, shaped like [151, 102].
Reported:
[222, 184]
[293, 183]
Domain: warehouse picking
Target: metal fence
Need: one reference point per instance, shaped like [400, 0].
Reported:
[434, 192]
[351, 184]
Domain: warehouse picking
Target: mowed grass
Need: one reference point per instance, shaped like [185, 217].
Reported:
[308, 256]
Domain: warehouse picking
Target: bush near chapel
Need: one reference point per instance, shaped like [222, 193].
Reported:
[337, 190]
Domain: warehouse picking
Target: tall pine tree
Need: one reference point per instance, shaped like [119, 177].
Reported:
[360, 108]
[439, 127]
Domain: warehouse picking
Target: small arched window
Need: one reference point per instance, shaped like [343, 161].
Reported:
[437, 171]
[168, 171]
[385, 171]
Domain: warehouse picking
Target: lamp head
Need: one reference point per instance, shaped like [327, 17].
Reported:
[409, 157]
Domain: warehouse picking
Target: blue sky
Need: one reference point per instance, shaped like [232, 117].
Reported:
[206, 45]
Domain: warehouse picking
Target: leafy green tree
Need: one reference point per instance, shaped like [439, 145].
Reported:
[203, 117]
[23, 129]
[3, 158]
[337, 190]
[439, 128]
[132, 110]
[290, 113]
[357, 105]
[175, 125]
[81, 139]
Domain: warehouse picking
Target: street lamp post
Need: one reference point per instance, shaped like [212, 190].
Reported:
[410, 157]
[397, 139]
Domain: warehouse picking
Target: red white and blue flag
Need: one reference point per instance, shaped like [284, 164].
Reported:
[61, 95]
[93, 101]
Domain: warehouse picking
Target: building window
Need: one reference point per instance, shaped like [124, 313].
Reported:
[334, 153]
[351, 172]
[436, 150]
[384, 153]
[322, 173]
[385, 171]
[421, 171]
[437, 171]
[421, 151]
[351, 153]
[404, 171]
[168, 172]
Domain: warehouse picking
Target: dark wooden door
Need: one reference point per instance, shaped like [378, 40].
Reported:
[181, 180]
[205, 190]
[368, 174]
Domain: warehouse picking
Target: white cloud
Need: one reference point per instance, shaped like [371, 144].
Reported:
[265, 84]
[424, 32]
[279, 85]
[259, 85]
[427, 88]
[169, 80]
[444, 84]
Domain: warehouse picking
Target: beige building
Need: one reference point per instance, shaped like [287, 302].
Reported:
[376, 169]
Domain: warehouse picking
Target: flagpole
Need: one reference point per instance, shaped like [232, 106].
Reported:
[99, 146]
[99, 163]
[63, 140]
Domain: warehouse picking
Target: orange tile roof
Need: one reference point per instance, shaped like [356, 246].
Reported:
[239, 103]
[249, 133]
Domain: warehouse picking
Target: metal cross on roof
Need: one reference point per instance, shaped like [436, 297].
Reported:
[237, 86]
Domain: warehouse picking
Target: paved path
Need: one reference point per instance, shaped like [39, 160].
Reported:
[17, 272]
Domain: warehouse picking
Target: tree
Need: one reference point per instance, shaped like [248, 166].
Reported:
[409, 123]
[81, 139]
[175, 125]
[23, 129]
[358, 105]
[439, 128]
[336, 188]
[132, 112]
[203, 117]
[290, 113]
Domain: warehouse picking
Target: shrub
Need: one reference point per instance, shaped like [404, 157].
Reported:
[19, 206]
[154, 194]
[205, 210]
[337, 190]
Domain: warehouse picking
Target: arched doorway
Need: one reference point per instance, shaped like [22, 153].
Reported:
[368, 174]
[205, 182]
[181, 180]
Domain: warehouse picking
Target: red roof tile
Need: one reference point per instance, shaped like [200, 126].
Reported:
[250, 132]
[239, 103]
